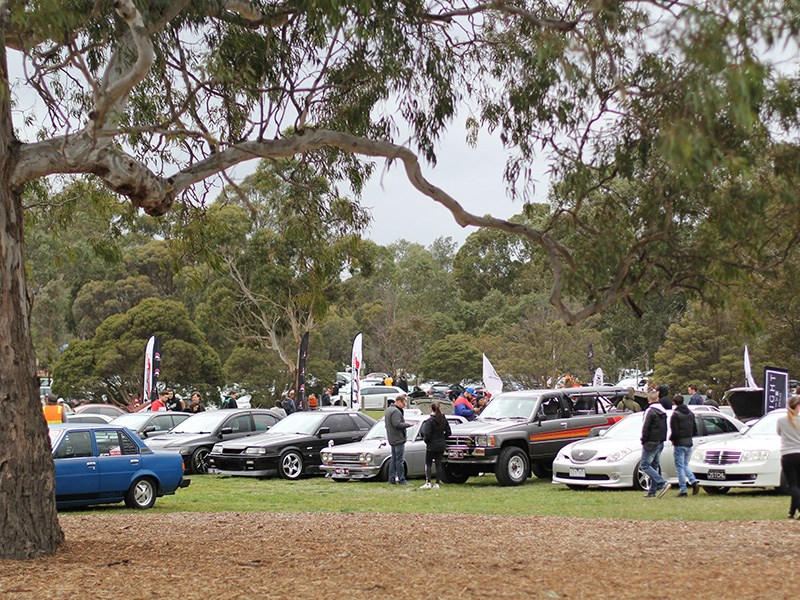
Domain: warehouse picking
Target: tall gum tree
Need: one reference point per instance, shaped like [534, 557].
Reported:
[657, 119]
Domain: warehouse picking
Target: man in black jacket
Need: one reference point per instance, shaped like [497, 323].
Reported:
[682, 429]
[654, 434]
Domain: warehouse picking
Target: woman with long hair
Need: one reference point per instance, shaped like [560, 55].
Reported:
[435, 431]
[789, 430]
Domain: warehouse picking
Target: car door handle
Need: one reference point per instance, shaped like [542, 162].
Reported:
[91, 464]
[134, 461]
[564, 425]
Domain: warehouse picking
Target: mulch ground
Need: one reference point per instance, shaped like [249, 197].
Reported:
[262, 555]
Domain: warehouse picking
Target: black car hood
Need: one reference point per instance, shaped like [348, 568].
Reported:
[179, 440]
[267, 440]
[747, 403]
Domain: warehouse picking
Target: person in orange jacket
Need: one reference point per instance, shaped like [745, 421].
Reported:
[53, 411]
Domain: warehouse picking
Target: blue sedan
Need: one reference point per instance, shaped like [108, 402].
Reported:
[106, 464]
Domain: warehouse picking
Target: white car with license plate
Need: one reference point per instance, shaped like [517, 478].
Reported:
[750, 460]
[612, 459]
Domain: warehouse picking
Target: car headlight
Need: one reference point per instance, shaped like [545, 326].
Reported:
[255, 450]
[217, 449]
[698, 455]
[754, 455]
[618, 455]
[484, 440]
[327, 457]
[365, 457]
[185, 450]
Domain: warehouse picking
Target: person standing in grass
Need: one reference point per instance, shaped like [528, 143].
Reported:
[789, 430]
[682, 429]
[654, 434]
[435, 432]
[396, 436]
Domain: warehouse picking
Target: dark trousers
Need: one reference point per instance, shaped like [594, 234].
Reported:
[791, 469]
[430, 456]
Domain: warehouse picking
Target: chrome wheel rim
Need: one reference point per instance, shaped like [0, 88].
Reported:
[291, 465]
[143, 493]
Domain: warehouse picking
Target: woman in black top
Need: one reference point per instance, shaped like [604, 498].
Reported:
[434, 431]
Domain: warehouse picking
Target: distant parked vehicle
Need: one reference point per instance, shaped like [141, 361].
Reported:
[101, 409]
[88, 418]
[147, 424]
[106, 464]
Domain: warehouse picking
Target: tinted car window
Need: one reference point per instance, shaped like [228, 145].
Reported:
[340, 423]
[239, 424]
[127, 445]
[107, 442]
[75, 444]
[363, 423]
[162, 422]
[716, 424]
[264, 421]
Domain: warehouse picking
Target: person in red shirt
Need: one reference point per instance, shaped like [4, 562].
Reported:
[160, 403]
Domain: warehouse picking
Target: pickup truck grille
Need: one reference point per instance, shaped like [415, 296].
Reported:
[722, 457]
[460, 441]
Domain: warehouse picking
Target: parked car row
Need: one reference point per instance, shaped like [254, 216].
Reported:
[575, 436]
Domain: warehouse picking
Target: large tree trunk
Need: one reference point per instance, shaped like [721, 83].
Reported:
[28, 519]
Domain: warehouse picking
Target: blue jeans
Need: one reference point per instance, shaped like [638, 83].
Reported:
[682, 454]
[650, 464]
[397, 471]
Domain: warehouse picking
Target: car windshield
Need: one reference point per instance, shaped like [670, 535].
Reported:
[205, 422]
[133, 421]
[766, 425]
[299, 422]
[629, 427]
[378, 431]
[55, 434]
[509, 407]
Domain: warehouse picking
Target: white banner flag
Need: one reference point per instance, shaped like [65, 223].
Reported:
[491, 380]
[748, 373]
[356, 360]
[598, 377]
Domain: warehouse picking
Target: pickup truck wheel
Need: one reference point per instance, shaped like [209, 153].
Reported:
[542, 469]
[512, 467]
[454, 474]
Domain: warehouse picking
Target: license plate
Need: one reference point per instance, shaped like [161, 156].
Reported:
[455, 454]
[717, 474]
[341, 471]
[577, 473]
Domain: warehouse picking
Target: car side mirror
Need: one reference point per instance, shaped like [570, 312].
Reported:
[226, 430]
[147, 430]
[323, 431]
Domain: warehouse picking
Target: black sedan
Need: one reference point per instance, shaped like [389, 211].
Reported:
[291, 448]
[194, 437]
[148, 423]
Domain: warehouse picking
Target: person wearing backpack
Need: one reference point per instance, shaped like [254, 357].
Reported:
[435, 431]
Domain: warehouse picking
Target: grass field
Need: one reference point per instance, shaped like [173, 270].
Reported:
[480, 495]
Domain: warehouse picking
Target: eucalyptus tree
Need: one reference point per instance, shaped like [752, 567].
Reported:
[653, 115]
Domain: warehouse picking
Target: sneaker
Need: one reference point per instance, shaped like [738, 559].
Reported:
[403, 483]
[436, 486]
[425, 486]
[682, 495]
[662, 490]
[695, 488]
[649, 495]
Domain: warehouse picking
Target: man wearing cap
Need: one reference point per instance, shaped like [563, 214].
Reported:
[53, 411]
[396, 436]
[463, 406]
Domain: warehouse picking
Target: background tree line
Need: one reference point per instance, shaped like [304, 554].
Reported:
[232, 288]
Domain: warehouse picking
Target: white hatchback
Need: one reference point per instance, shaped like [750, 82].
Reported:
[752, 459]
[612, 459]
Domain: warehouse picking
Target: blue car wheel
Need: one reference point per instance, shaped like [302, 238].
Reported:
[142, 494]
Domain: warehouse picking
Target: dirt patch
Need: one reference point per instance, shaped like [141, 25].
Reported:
[263, 555]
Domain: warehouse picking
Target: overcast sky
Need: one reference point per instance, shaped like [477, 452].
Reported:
[473, 176]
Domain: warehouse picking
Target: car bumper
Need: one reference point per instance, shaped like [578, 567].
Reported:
[243, 465]
[184, 483]
[464, 455]
[619, 475]
[738, 475]
[351, 471]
